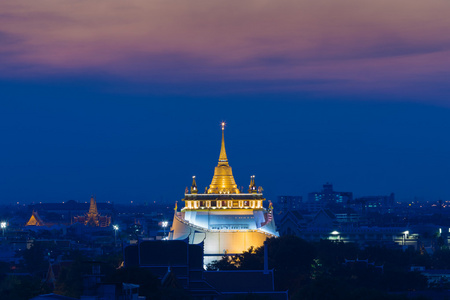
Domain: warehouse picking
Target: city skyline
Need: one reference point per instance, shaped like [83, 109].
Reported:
[125, 100]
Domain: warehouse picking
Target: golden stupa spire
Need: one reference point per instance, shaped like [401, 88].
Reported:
[92, 215]
[223, 180]
[93, 207]
[223, 154]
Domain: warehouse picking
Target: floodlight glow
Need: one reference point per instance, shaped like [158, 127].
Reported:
[3, 225]
[116, 227]
[335, 232]
[164, 224]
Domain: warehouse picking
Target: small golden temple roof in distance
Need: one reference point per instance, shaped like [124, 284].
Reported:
[223, 180]
[35, 220]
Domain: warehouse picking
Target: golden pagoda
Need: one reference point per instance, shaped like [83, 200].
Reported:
[223, 180]
[224, 218]
[92, 217]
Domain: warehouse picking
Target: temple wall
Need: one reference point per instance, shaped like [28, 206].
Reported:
[225, 219]
[220, 242]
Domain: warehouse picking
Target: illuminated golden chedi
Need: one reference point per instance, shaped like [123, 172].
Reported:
[224, 218]
[223, 180]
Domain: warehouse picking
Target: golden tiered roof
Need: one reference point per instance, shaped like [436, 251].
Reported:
[92, 215]
[223, 180]
[35, 220]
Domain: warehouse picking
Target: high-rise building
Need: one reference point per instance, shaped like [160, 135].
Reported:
[288, 203]
[224, 218]
[375, 203]
[327, 197]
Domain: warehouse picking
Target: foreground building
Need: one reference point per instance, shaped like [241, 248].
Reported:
[179, 265]
[224, 218]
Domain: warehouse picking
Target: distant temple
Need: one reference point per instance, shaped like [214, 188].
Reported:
[93, 218]
[224, 218]
[35, 220]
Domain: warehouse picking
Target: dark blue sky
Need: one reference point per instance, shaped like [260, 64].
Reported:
[66, 139]
[125, 100]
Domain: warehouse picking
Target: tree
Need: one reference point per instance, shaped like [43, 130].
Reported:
[14, 287]
[34, 258]
[290, 257]
[222, 264]
[70, 280]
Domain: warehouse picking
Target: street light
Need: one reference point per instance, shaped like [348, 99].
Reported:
[3, 226]
[115, 227]
[405, 235]
[336, 233]
[164, 225]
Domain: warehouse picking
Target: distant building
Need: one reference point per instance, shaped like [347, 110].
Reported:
[93, 218]
[437, 277]
[35, 220]
[287, 203]
[64, 213]
[327, 197]
[349, 218]
[329, 226]
[54, 271]
[292, 223]
[375, 203]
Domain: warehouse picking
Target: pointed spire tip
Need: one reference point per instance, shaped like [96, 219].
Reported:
[223, 155]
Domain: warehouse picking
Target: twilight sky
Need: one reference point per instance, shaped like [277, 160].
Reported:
[124, 98]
